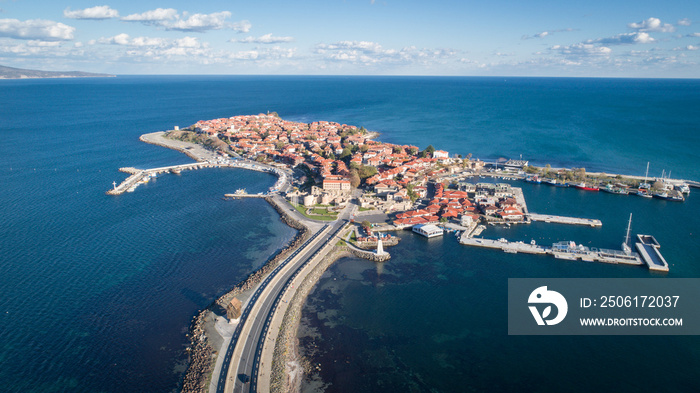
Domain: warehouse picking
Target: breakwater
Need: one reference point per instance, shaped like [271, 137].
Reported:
[200, 352]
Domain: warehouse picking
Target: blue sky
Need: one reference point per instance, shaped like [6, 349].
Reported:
[364, 37]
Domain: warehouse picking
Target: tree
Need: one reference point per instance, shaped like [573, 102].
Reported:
[366, 224]
[279, 145]
[367, 171]
[354, 178]
[430, 149]
[346, 153]
[443, 219]
[413, 150]
[397, 150]
[411, 194]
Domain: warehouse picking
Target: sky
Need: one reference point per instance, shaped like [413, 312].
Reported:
[557, 38]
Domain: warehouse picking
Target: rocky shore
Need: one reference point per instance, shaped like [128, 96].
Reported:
[201, 354]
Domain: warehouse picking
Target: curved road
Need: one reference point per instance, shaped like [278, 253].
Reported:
[239, 368]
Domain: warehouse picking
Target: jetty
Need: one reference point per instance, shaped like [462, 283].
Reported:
[564, 220]
[648, 248]
[142, 176]
[571, 251]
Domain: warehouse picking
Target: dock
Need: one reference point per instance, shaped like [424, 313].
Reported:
[648, 248]
[565, 220]
[504, 245]
[558, 251]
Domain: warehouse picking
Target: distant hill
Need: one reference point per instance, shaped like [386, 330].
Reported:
[18, 73]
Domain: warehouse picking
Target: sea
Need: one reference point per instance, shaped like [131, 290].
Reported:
[98, 291]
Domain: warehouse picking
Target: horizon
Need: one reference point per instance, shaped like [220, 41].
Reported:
[537, 39]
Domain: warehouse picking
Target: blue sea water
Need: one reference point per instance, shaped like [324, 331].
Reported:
[98, 291]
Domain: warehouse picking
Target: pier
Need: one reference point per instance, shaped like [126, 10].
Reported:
[572, 253]
[648, 248]
[141, 176]
[564, 220]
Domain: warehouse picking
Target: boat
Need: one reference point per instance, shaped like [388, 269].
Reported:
[533, 179]
[625, 245]
[643, 192]
[683, 188]
[675, 197]
[646, 184]
[614, 189]
[585, 187]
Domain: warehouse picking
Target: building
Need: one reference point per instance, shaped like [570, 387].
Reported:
[428, 230]
[441, 154]
[336, 185]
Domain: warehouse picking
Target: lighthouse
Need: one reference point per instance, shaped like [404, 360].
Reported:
[380, 248]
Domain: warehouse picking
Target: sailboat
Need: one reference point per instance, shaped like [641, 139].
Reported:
[643, 190]
[625, 245]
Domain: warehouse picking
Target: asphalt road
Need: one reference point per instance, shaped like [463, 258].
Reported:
[239, 371]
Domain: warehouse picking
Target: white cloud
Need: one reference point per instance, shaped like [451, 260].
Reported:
[582, 49]
[652, 24]
[265, 39]
[544, 34]
[693, 35]
[200, 22]
[36, 29]
[627, 38]
[684, 22]
[261, 55]
[157, 15]
[241, 26]
[370, 53]
[98, 13]
[687, 48]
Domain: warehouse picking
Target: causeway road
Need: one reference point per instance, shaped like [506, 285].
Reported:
[241, 362]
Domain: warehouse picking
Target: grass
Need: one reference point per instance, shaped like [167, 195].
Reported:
[364, 209]
[326, 217]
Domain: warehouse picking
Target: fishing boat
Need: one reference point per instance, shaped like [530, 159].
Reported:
[614, 189]
[585, 187]
[669, 196]
[555, 183]
[533, 179]
[643, 192]
[646, 184]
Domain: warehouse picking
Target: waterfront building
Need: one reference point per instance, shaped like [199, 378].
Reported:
[428, 230]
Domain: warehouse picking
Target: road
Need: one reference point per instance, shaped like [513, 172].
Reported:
[240, 365]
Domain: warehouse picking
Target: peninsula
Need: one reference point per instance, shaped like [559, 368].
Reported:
[19, 73]
[341, 190]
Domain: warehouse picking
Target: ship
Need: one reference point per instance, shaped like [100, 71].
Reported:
[643, 192]
[585, 187]
[683, 188]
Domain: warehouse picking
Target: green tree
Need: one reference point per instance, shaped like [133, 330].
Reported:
[413, 151]
[411, 194]
[397, 150]
[443, 219]
[367, 171]
[366, 224]
[346, 153]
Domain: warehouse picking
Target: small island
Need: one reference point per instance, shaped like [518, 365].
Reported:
[19, 73]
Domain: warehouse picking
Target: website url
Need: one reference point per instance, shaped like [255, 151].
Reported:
[631, 321]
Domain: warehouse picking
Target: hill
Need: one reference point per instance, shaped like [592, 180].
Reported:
[19, 73]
